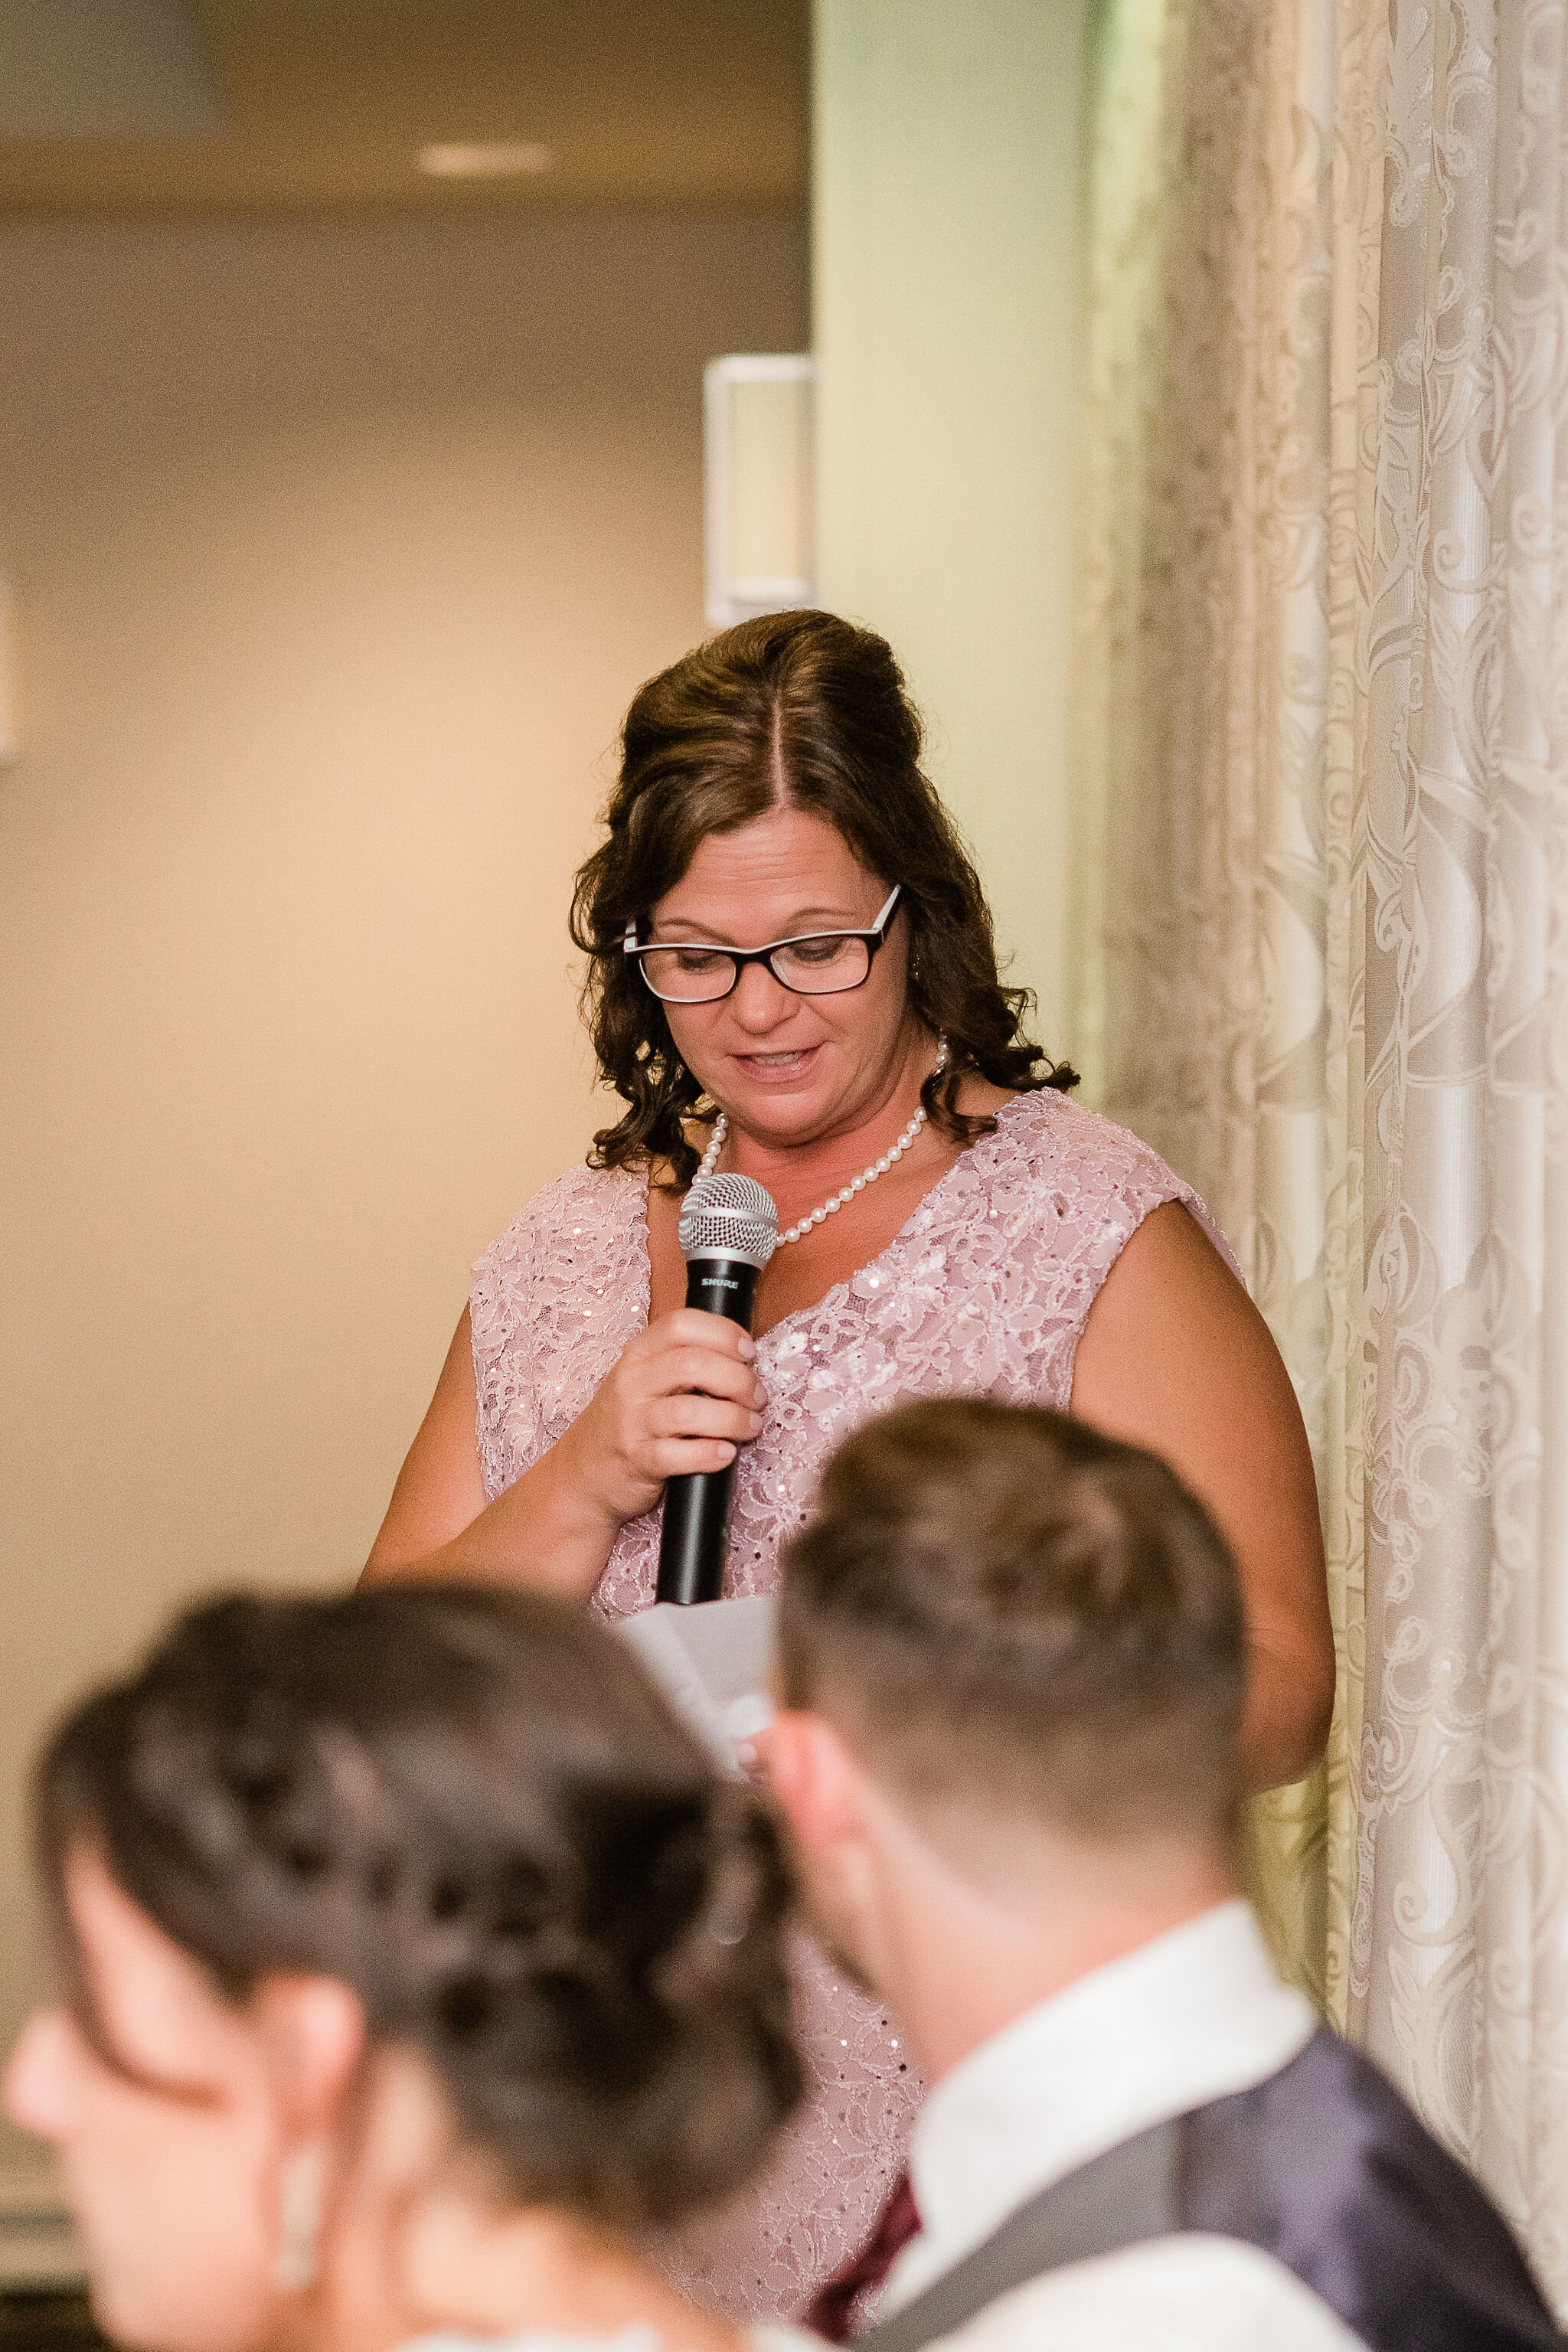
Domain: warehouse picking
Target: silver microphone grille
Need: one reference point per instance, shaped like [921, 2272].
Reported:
[729, 1216]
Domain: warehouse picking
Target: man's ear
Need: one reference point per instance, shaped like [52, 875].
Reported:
[817, 1782]
[313, 2032]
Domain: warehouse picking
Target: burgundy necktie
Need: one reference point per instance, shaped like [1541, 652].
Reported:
[832, 2314]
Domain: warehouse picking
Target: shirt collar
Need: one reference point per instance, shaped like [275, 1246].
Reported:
[1192, 2016]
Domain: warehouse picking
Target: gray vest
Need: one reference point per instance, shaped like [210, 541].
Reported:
[1323, 2167]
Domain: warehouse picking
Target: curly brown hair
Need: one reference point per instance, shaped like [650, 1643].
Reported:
[805, 709]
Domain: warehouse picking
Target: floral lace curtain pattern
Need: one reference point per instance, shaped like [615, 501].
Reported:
[1324, 760]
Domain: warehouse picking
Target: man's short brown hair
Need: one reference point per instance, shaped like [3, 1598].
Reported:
[998, 1603]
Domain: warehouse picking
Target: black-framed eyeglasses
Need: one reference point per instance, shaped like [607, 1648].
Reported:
[817, 964]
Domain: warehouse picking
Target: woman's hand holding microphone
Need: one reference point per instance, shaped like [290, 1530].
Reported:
[683, 1396]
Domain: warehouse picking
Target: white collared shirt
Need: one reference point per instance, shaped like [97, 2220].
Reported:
[1194, 2016]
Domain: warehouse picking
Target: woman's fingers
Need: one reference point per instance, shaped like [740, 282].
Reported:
[683, 1458]
[686, 1415]
[715, 1332]
[691, 1367]
[684, 1398]
[698, 1351]
[694, 1352]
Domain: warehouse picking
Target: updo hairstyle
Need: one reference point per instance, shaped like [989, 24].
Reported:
[804, 710]
[470, 1806]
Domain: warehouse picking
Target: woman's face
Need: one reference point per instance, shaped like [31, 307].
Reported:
[168, 2138]
[789, 1069]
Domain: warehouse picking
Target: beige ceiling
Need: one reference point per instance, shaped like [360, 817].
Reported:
[640, 102]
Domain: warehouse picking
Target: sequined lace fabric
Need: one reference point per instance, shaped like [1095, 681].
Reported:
[983, 1292]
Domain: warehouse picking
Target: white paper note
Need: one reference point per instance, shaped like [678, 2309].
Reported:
[712, 1662]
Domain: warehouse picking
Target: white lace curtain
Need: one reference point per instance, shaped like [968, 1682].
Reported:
[1323, 753]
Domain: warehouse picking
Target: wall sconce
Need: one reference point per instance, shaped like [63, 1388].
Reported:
[758, 495]
[10, 739]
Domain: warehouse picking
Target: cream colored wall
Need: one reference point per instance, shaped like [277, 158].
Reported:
[339, 551]
[945, 193]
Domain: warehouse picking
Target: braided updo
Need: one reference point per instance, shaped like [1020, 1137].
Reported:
[471, 1807]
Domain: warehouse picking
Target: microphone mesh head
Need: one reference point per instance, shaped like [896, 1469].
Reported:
[729, 1216]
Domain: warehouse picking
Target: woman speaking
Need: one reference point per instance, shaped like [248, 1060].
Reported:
[793, 977]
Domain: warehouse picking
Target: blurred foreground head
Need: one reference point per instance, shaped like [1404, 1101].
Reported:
[413, 1903]
[1007, 1612]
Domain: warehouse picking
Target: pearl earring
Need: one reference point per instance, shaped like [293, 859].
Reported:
[300, 2204]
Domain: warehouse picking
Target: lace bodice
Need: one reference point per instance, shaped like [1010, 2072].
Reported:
[983, 1292]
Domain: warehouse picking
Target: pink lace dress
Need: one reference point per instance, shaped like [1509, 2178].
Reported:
[983, 1292]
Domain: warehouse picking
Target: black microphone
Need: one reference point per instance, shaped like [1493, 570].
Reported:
[729, 1230]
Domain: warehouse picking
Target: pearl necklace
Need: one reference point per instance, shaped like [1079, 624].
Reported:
[867, 1176]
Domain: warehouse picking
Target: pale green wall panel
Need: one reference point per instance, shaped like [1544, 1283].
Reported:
[945, 179]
